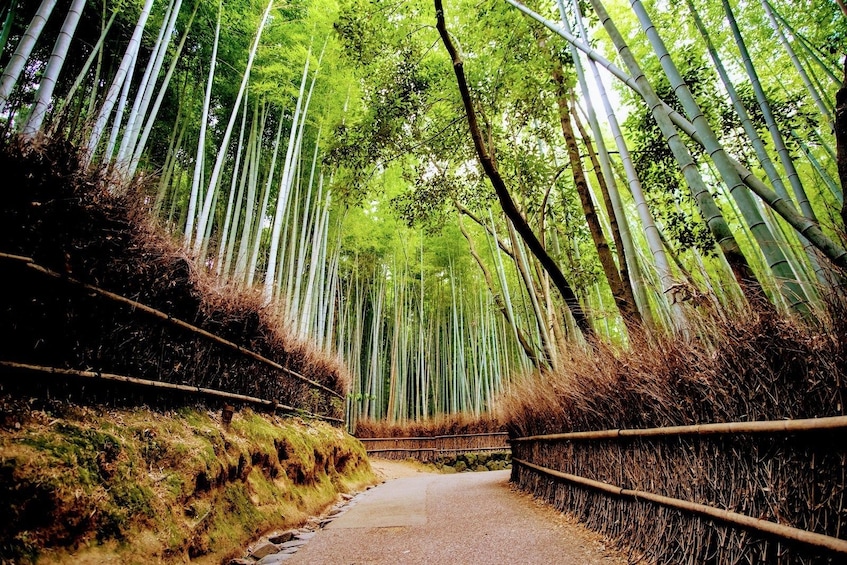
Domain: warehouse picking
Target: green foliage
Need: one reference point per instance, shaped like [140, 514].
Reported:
[98, 485]
[656, 166]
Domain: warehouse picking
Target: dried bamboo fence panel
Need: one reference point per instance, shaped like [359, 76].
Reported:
[165, 317]
[428, 449]
[94, 320]
[759, 492]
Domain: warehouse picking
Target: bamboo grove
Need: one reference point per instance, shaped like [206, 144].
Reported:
[446, 196]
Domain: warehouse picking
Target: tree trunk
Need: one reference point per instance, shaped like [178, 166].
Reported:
[200, 157]
[285, 188]
[626, 284]
[498, 300]
[711, 213]
[83, 73]
[54, 67]
[214, 178]
[809, 229]
[623, 296]
[841, 139]
[19, 58]
[141, 142]
[117, 83]
[500, 188]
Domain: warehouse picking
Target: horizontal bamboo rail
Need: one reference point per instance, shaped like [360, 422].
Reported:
[437, 450]
[270, 404]
[163, 316]
[760, 427]
[835, 545]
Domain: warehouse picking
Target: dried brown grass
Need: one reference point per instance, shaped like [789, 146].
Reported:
[83, 222]
[740, 368]
[446, 424]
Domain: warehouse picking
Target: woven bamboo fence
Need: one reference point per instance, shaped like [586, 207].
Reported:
[429, 449]
[140, 310]
[751, 492]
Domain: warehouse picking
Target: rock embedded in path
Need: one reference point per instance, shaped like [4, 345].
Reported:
[282, 538]
[264, 550]
[293, 543]
[274, 559]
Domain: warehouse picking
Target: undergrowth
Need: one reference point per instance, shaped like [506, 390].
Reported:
[141, 486]
[736, 368]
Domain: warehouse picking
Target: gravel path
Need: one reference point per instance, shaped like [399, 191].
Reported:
[468, 518]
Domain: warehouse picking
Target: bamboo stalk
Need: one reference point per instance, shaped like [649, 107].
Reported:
[167, 318]
[760, 427]
[813, 539]
[273, 405]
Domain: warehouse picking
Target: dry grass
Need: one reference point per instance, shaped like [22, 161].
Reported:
[746, 367]
[447, 424]
[83, 223]
[742, 368]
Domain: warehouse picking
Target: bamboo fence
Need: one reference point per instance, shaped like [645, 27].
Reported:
[166, 318]
[761, 427]
[195, 390]
[428, 449]
[537, 455]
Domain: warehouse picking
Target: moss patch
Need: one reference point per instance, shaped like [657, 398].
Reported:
[140, 486]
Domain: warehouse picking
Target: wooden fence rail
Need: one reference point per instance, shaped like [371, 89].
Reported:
[196, 390]
[760, 427]
[167, 318]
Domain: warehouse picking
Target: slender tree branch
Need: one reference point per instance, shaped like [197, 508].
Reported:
[500, 188]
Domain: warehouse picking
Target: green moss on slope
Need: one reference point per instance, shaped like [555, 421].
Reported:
[139, 486]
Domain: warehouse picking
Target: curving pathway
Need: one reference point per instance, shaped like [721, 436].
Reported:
[468, 518]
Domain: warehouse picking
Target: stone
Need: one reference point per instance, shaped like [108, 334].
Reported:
[496, 465]
[460, 466]
[264, 550]
[274, 559]
[305, 535]
[293, 543]
[346, 496]
[241, 561]
[282, 538]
